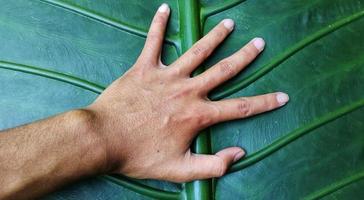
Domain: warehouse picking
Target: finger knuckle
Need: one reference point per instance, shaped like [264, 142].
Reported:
[219, 33]
[244, 107]
[159, 20]
[216, 112]
[201, 119]
[200, 51]
[248, 53]
[269, 103]
[181, 93]
[226, 67]
[176, 71]
[220, 167]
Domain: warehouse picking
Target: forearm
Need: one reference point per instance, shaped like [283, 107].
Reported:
[39, 157]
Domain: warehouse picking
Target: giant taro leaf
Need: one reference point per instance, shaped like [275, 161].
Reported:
[59, 55]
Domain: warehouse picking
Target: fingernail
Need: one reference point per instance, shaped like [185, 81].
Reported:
[228, 23]
[282, 98]
[259, 43]
[239, 155]
[163, 8]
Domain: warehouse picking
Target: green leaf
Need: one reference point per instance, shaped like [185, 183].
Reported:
[59, 55]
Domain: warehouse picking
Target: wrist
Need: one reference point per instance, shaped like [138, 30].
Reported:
[93, 143]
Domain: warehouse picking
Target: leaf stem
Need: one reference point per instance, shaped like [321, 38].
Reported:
[190, 32]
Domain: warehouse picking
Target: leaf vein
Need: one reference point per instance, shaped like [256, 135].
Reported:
[173, 40]
[287, 54]
[73, 80]
[142, 189]
[292, 136]
[336, 186]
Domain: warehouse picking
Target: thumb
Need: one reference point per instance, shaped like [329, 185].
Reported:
[201, 166]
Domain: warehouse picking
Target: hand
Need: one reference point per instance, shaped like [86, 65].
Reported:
[149, 117]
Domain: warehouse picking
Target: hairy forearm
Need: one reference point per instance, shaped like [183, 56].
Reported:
[39, 157]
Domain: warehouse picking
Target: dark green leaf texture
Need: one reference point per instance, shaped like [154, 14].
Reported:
[59, 55]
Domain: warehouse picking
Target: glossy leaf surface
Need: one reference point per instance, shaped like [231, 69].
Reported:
[59, 55]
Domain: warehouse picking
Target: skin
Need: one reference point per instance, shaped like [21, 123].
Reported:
[141, 126]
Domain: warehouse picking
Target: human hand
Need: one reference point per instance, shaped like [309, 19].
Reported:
[149, 117]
